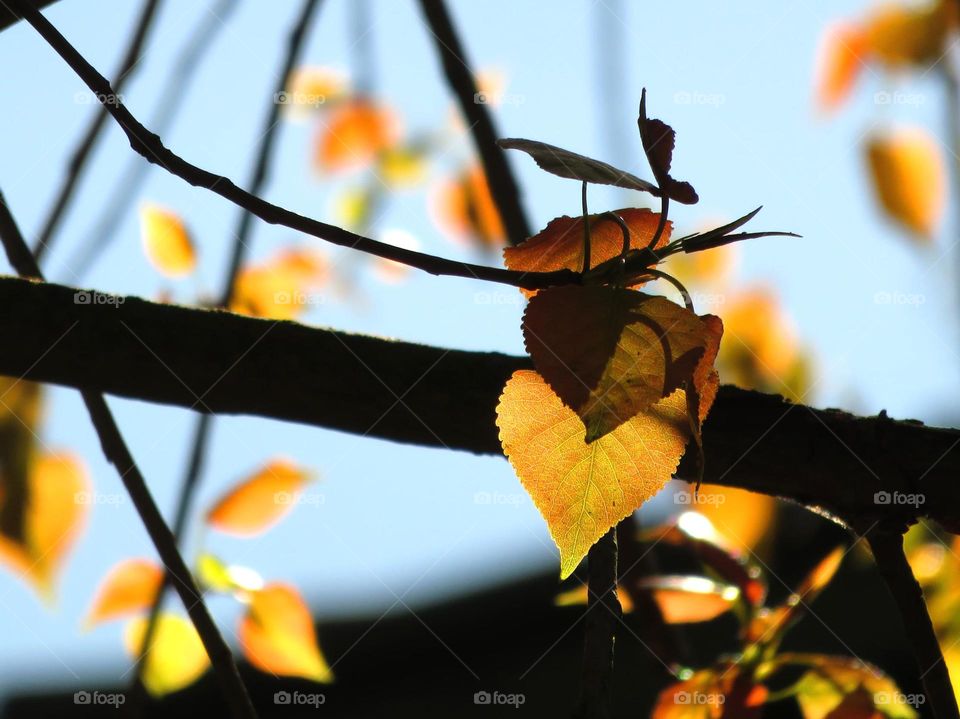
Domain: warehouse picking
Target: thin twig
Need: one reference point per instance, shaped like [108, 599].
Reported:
[887, 547]
[241, 237]
[84, 149]
[169, 101]
[118, 454]
[603, 615]
[460, 77]
[151, 147]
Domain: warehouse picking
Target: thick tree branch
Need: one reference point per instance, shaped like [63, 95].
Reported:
[457, 69]
[214, 361]
[8, 17]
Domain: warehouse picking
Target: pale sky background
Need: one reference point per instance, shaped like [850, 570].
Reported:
[399, 521]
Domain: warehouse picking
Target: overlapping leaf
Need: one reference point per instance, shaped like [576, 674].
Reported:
[610, 353]
[277, 635]
[559, 246]
[573, 166]
[582, 490]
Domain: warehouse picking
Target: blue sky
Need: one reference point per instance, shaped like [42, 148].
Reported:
[733, 79]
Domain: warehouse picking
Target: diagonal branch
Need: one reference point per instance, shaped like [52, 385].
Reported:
[202, 360]
[117, 453]
[84, 148]
[151, 147]
[460, 77]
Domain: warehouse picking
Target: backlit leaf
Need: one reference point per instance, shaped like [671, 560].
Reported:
[658, 140]
[465, 208]
[839, 687]
[216, 576]
[711, 694]
[564, 163]
[282, 287]
[559, 246]
[259, 501]
[311, 89]
[277, 635]
[166, 241]
[610, 353]
[909, 178]
[843, 54]
[582, 490]
[56, 510]
[131, 586]
[176, 659]
[354, 134]
[686, 600]
[903, 34]
[402, 166]
[579, 595]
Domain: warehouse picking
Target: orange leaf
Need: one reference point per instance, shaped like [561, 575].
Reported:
[559, 246]
[55, 514]
[465, 208]
[900, 35]
[909, 179]
[610, 353]
[843, 53]
[278, 637]
[260, 501]
[582, 490]
[166, 241]
[686, 600]
[354, 135]
[131, 586]
[176, 659]
[280, 288]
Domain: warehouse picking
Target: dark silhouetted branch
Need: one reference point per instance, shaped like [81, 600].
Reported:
[887, 547]
[214, 361]
[118, 454]
[84, 148]
[460, 77]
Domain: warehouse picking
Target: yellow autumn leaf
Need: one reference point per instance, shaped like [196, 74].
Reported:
[312, 88]
[402, 166]
[166, 241]
[610, 353]
[213, 574]
[582, 490]
[259, 501]
[741, 517]
[277, 635]
[909, 178]
[175, 660]
[130, 586]
[843, 55]
[55, 513]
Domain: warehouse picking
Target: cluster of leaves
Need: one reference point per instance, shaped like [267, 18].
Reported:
[751, 681]
[275, 633]
[905, 162]
[623, 379]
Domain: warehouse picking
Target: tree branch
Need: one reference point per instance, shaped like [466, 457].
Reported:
[456, 67]
[8, 17]
[214, 361]
[887, 547]
[117, 453]
[151, 147]
[84, 148]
